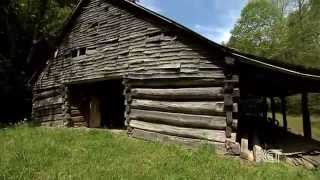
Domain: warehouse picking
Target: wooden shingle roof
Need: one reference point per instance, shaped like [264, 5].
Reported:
[259, 62]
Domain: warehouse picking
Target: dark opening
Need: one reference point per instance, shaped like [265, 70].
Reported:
[112, 106]
[100, 104]
[83, 51]
[74, 53]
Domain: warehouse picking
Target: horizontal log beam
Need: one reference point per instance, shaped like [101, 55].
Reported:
[218, 147]
[54, 117]
[77, 119]
[211, 135]
[48, 101]
[46, 94]
[200, 108]
[176, 82]
[46, 112]
[183, 120]
[212, 93]
[58, 123]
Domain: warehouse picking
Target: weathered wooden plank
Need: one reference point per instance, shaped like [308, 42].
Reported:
[199, 108]
[211, 135]
[213, 93]
[53, 117]
[57, 123]
[77, 119]
[47, 101]
[46, 94]
[178, 119]
[219, 148]
[46, 112]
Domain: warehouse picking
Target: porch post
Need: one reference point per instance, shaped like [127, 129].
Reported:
[306, 116]
[284, 112]
[228, 94]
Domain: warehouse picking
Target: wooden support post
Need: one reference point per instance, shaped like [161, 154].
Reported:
[284, 112]
[128, 101]
[66, 107]
[273, 110]
[228, 107]
[306, 116]
[228, 93]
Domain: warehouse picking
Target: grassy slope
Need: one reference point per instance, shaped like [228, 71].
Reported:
[39, 153]
[295, 125]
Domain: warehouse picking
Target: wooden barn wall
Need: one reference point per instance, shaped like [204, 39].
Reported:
[47, 107]
[122, 43]
[186, 110]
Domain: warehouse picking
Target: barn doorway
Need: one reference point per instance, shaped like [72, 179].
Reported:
[99, 104]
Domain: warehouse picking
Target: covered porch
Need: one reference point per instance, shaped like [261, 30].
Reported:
[264, 91]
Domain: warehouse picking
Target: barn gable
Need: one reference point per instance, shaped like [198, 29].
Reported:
[118, 41]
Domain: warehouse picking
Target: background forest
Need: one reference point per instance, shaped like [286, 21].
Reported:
[23, 24]
[285, 30]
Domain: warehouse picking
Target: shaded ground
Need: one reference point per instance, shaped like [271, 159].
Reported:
[40, 153]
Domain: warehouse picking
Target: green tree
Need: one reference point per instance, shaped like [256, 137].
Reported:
[304, 33]
[257, 30]
[24, 23]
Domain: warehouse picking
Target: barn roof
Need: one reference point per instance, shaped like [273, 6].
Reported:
[273, 65]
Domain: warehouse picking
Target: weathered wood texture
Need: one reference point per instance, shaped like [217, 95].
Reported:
[47, 106]
[215, 93]
[219, 148]
[185, 112]
[198, 107]
[181, 120]
[121, 42]
[206, 134]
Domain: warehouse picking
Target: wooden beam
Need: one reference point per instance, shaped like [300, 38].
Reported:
[284, 112]
[206, 134]
[199, 108]
[219, 147]
[212, 93]
[182, 120]
[228, 107]
[306, 116]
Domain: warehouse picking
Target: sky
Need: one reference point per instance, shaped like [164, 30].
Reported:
[213, 19]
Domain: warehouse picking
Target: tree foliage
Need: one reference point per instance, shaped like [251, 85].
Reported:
[24, 23]
[286, 30]
[254, 33]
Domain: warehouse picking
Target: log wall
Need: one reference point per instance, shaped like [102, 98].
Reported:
[47, 107]
[188, 111]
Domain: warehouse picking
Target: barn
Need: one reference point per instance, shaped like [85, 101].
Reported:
[118, 65]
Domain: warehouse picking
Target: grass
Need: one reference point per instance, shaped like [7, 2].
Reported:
[295, 124]
[41, 153]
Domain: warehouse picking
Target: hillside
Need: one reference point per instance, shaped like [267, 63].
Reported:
[40, 153]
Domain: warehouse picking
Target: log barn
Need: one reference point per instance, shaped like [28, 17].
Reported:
[118, 65]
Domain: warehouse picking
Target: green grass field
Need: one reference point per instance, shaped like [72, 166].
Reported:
[41, 153]
[295, 124]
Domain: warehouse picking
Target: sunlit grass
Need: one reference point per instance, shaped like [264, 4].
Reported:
[40, 153]
[295, 124]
